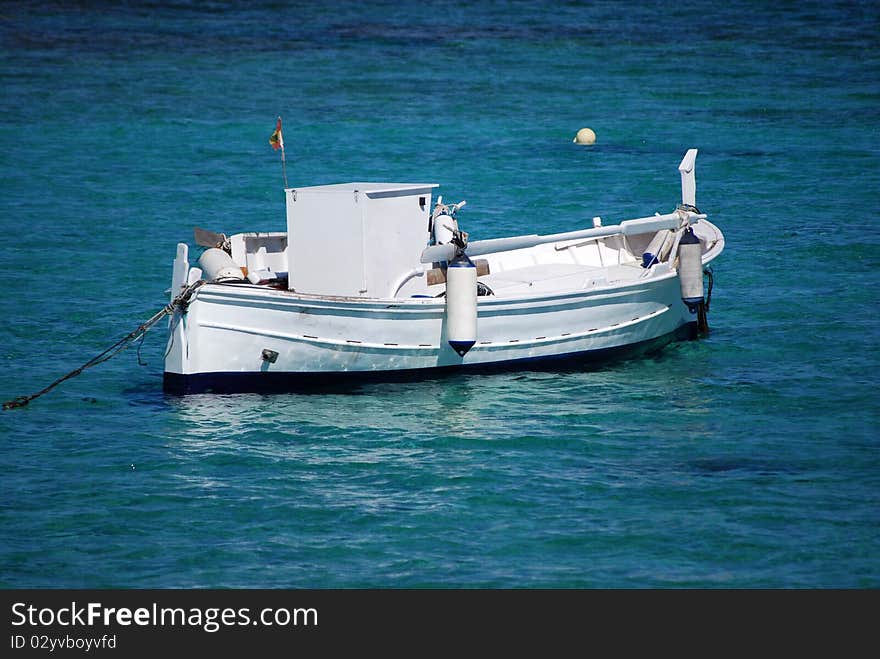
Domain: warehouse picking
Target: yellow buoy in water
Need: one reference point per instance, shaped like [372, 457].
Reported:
[585, 136]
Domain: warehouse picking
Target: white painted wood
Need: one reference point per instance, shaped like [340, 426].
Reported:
[355, 239]
[688, 178]
[358, 299]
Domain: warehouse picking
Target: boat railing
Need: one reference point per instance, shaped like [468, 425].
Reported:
[639, 225]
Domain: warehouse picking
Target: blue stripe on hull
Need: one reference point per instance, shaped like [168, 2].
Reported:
[338, 382]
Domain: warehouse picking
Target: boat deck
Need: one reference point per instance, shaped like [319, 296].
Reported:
[556, 277]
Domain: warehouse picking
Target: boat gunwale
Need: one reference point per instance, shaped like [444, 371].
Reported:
[489, 303]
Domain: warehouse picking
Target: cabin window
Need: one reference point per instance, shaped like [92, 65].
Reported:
[422, 202]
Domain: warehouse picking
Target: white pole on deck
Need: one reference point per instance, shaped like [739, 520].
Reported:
[688, 178]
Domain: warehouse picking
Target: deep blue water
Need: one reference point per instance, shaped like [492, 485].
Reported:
[748, 459]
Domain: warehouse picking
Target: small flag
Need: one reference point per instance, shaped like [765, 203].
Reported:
[277, 141]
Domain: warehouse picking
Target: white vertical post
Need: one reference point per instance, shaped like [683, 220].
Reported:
[688, 178]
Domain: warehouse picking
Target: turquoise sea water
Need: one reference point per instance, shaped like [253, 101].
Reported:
[748, 459]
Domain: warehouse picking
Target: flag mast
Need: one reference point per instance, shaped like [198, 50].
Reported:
[277, 142]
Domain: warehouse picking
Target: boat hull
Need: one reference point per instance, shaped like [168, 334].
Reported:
[239, 338]
[231, 382]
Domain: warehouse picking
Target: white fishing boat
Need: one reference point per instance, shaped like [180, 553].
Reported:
[378, 281]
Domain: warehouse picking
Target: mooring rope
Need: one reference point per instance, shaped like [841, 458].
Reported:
[710, 275]
[180, 301]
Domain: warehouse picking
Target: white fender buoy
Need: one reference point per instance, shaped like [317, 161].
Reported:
[585, 136]
[217, 265]
[690, 275]
[461, 304]
[444, 227]
[690, 268]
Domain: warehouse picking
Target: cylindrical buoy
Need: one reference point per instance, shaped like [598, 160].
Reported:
[690, 275]
[444, 227]
[585, 136]
[461, 304]
[217, 265]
